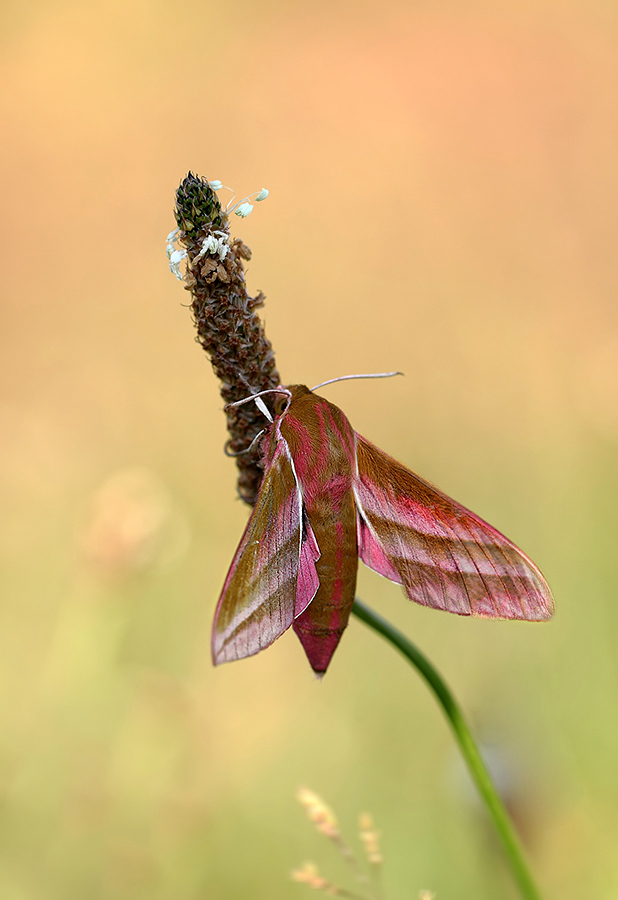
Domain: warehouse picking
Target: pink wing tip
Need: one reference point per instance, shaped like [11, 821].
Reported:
[318, 647]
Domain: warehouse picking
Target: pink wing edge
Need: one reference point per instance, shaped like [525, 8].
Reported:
[374, 555]
[307, 583]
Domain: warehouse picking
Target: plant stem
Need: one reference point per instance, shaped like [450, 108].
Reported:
[467, 745]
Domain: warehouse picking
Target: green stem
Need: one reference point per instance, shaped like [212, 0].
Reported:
[467, 745]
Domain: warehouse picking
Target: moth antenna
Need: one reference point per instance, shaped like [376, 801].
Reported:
[350, 377]
[247, 449]
[259, 402]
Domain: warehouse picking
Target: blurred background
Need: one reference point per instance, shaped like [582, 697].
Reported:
[443, 201]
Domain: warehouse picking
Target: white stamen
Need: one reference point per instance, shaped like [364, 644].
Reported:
[176, 257]
[215, 244]
[243, 207]
[243, 210]
[216, 185]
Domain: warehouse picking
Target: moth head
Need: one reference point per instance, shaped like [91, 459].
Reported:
[281, 400]
[281, 404]
[257, 399]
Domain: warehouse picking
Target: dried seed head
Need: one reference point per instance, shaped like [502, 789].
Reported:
[309, 875]
[318, 812]
[370, 840]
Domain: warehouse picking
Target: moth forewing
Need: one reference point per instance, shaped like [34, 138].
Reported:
[328, 497]
[258, 601]
[445, 556]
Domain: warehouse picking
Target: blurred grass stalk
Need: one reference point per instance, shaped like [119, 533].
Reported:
[232, 334]
[469, 749]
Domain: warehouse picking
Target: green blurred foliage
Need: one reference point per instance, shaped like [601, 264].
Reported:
[443, 201]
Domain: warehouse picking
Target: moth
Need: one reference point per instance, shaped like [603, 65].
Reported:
[329, 497]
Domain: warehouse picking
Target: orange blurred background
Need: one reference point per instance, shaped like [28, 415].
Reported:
[443, 201]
